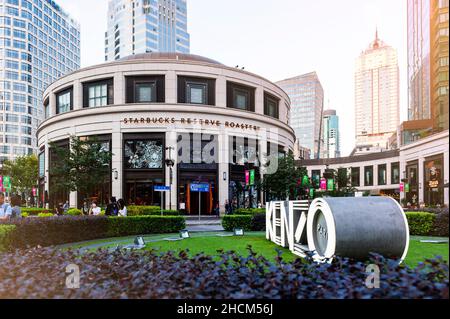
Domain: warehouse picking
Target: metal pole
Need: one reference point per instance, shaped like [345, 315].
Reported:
[199, 206]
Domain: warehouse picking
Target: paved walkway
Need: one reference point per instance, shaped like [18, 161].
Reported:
[204, 225]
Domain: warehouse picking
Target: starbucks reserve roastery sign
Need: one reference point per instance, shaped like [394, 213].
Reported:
[189, 121]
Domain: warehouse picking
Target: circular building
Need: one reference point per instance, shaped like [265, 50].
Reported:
[186, 132]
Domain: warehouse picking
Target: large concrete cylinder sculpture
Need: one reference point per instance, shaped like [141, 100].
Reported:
[355, 227]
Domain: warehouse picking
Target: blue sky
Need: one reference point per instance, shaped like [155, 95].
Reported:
[279, 39]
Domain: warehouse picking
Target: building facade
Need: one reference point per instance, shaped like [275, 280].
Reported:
[331, 137]
[39, 42]
[217, 124]
[377, 107]
[141, 26]
[414, 174]
[428, 64]
[307, 102]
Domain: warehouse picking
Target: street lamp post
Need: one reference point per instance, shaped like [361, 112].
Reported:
[170, 163]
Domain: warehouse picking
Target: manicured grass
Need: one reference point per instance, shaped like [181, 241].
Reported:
[418, 252]
[210, 243]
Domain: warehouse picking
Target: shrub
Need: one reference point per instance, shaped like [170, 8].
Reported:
[45, 215]
[24, 215]
[140, 225]
[58, 230]
[33, 211]
[230, 222]
[258, 222]
[420, 223]
[123, 274]
[133, 210]
[5, 236]
[74, 212]
[441, 223]
[249, 211]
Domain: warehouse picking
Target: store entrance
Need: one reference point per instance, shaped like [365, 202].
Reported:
[190, 200]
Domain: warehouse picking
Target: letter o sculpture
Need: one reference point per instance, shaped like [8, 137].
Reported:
[354, 227]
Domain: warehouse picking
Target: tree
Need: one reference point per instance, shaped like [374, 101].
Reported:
[284, 182]
[23, 172]
[80, 168]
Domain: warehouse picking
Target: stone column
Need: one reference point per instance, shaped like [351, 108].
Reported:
[221, 92]
[119, 88]
[446, 176]
[171, 198]
[46, 168]
[375, 176]
[116, 162]
[402, 167]
[388, 173]
[224, 169]
[52, 105]
[171, 87]
[361, 176]
[259, 100]
[421, 195]
[77, 95]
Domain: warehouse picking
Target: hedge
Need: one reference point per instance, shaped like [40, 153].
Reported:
[420, 223]
[139, 225]
[31, 232]
[125, 274]
[73, 212]
[5, 236]
[230, 222]
[43, 215]
[133, 210]
[441, 224]
[248, 211]
[33, 211]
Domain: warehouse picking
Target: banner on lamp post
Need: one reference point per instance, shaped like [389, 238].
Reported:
[323, 184]
[330, 184]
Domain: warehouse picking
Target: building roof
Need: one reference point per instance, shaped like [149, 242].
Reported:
[350, 159]
[170, 56]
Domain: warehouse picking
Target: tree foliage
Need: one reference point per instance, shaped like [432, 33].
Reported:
[23, 172]
[285, 181]
[82, 167]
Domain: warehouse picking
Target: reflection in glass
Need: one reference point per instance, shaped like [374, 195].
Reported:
[143, 154]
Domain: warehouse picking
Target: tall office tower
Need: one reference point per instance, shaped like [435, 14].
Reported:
[331, 138]
[428, 62]
[377, 111]
[39, 42]
[307, 100]
[140, 26]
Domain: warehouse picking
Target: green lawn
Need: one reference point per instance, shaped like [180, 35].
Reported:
[209, 243]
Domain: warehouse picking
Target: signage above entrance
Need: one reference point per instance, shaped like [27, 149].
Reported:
[202, 188]
[190, 121]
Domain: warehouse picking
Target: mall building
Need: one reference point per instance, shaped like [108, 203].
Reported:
[173, 120]
[415, 173]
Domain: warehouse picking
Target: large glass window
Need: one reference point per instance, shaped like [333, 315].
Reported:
[145, 89]
[355, 172]
[368, 176]
[143, 154]
[240, 96]
[433, 174]
[196, 93]
[395, 173]
[196, 90]
[241, 99]
[98, 93]
[145, 92]
[64, 101]
[382, 171]
[271, 105]
[42, 164]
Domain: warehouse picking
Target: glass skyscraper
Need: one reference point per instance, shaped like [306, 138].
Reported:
[141, 26]
[377, 97]
[307, 99]
[39, 43]
[331, 136]
[428, 62]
